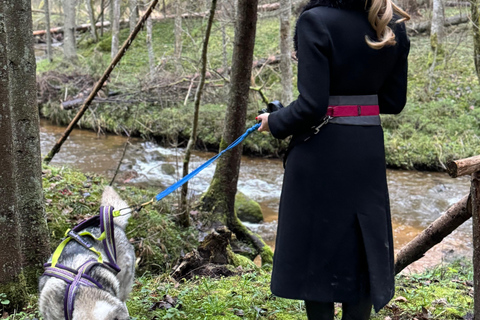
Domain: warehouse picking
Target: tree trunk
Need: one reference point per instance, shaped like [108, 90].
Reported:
[69, 43]
[25, 238]
[133, 14]
[178, 30]
[115, 27]
[476, 34]
[475, 193]
[49, 35]
[450, 21]
[102, 12]
[220, 197]
[434, 233]
[437, 31]
[285, 51]
[91, 15]
[185, 217]
[151, 54]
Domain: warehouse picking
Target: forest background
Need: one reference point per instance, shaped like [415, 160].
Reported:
[151, 92]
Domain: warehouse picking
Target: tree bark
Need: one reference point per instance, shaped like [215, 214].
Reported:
[151, 54]
[220, 197]
[463, 167]
[115, 27]
[285, 51]
[49, 35]
[91, 14]
[475, 193]
[69, 42]
[434, 233]
[476, 34]
[102, 12]
[178, 30]
[185, 217]
[133, 14]
[25, 238]
[437, 31]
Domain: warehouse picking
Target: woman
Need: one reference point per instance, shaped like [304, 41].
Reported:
[334, 239]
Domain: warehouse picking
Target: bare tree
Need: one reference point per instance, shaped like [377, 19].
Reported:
[151, 54]
[219, 200]
[25, 238]
[475, 7]
[437, 30]
[91, 14]
[178, 29]
[69, 43]
[115, 26]
[185, 218]
[285, 51]
[49, 35]
[133, 14]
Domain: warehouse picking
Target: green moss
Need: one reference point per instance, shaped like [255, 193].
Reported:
[247, 209]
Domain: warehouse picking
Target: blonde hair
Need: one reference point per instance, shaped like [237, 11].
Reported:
[379, 16]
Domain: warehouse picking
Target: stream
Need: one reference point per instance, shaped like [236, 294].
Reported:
[417, 198]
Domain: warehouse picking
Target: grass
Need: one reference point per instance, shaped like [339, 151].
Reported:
[444, 292]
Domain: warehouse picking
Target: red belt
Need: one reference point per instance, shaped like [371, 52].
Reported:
[353, 111]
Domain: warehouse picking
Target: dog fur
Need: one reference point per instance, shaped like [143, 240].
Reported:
[93, 303]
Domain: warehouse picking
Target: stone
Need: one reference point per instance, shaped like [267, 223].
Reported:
[247, 209]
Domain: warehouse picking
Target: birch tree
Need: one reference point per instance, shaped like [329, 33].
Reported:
[115, 26]
[49, 35]
[133, 14]
[25, 238]
[91, 15]
[285, 51]
[219, 200]
[69, 42]
[437, 30]
[151, 54]
[178, 29]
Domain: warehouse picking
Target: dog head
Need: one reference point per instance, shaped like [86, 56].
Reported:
[92, 303]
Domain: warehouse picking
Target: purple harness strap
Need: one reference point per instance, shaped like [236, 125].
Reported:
[76, 278]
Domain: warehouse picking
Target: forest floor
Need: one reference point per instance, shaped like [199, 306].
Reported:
[441, 121]
[444, 292]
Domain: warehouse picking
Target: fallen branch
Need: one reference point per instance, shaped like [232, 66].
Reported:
[82, 27]
[422, 27]
[434, 233]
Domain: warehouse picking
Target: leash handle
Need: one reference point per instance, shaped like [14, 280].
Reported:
[192, 174]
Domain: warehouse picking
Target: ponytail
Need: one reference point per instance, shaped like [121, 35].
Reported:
[379, 15]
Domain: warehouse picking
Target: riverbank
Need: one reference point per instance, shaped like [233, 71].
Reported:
[443, 292]
[441, 121]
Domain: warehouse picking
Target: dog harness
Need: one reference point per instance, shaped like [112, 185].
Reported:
[75, 278]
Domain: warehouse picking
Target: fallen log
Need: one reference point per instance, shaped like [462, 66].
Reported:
[82, 27]
[125, 23]
[422, 27]
[463, 167]
[456, 215]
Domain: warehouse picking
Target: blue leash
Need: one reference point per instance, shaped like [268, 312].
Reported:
[192, 174]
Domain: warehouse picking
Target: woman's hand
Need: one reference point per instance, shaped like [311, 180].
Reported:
[263, 118]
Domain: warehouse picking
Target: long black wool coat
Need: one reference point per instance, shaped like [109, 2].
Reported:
[334, 239]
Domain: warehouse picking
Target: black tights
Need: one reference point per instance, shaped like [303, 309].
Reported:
[350, 311]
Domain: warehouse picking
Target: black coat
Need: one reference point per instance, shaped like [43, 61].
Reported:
[334, 239]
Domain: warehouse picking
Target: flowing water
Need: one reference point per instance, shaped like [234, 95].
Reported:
[417, 198]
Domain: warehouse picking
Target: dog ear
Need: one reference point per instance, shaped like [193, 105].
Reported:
[111, 198]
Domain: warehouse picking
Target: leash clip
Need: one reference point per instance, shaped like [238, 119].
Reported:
[326, 119]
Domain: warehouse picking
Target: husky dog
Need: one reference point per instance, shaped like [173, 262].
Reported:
[91, 302]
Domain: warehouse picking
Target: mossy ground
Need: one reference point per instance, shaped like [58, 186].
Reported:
[440, 122]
